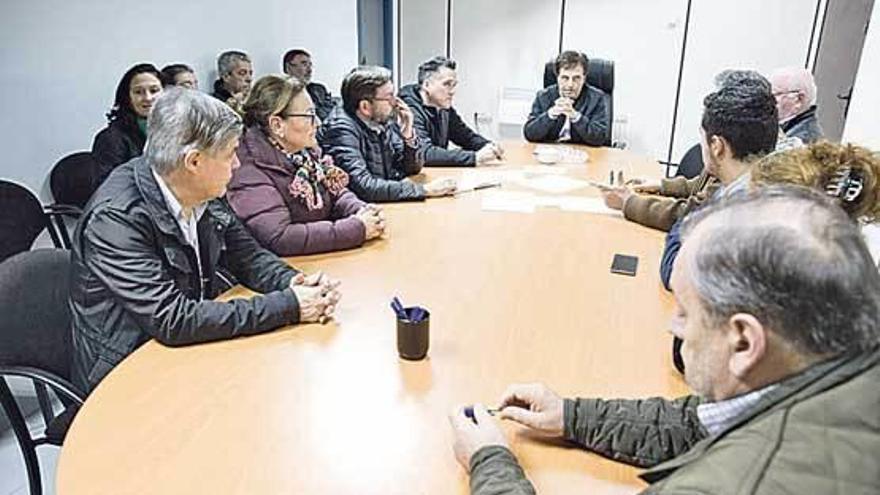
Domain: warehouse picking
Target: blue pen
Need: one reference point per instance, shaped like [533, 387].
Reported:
[398, 308]
[469, 412]
[417, 314]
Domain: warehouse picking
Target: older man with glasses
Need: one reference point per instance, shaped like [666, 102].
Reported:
[795, 91]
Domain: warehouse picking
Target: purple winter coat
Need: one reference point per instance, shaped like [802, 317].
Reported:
[259, 195]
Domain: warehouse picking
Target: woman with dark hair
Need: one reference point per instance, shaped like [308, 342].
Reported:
[126, 131]
[293, 200]
[179, 75]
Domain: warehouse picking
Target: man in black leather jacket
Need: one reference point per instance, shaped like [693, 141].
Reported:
[150, 241]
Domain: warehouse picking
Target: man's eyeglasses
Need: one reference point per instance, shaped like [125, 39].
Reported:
[312, 116]
[390, 99]
[783, 93]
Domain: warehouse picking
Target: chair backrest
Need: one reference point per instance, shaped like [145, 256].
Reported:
[21, 219]
[72, 179]
[691, 164]
[600, 74]
[35, 329]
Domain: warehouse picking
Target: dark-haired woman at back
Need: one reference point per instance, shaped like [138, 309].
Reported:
[126, 131]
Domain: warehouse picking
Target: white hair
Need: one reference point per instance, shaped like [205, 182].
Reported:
[795, 79]
[183, 120]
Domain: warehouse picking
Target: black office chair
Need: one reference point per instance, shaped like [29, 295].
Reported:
[36, 344]
[23, 218]
[677, 360]
[600, 74]
[691, 164]
[72, 179]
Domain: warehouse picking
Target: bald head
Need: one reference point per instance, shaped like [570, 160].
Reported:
[793, 260]
[794, 89]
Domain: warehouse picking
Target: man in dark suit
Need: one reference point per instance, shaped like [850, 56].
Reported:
[571, 110]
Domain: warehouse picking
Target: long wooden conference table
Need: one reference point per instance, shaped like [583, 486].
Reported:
[331, 409]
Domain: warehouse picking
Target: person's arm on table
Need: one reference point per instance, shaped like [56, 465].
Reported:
[640, 432]
[124, 260]
[344, 145]
[481, 449]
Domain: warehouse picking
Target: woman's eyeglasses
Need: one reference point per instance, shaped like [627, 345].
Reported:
[312, 116]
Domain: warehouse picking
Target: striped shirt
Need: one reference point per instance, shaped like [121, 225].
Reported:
[718, 416]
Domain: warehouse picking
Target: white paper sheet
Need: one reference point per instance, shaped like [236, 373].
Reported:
[516, 201]
[471, 179]
[556, 184]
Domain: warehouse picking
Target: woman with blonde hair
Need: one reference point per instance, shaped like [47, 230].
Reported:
[849, 173]
[292, 199]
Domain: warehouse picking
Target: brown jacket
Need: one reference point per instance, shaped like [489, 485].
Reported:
[677, 196]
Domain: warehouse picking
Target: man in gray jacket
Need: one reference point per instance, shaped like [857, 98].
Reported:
[778, 307]
[150, 242]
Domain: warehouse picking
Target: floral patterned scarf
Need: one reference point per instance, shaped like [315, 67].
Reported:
[312, 172]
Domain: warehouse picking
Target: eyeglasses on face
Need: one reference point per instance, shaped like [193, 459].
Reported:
[312, 116]
[783, 93]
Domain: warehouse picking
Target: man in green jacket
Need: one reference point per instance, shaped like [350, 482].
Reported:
[778, 307]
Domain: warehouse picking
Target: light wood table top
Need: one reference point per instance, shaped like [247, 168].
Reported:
[312, 409]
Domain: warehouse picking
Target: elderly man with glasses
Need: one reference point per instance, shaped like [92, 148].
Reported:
[795, 93]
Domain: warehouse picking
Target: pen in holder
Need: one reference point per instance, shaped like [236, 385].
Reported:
[412, 330]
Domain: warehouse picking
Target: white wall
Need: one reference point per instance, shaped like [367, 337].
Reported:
[862, 121]
[504, 43]
[746, 34]
[62, 60]
[643, 38]
[500, 43]
[424, 35]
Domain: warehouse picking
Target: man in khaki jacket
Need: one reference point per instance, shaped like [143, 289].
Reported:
[778, 307]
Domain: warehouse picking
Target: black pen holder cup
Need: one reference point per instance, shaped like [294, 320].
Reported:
[413, 338]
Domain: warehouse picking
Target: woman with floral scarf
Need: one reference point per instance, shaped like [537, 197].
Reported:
[292, 199]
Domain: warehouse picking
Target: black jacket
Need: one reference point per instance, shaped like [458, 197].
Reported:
[804, 126]
[437, 127]
[377, 162]
[593, 128]
[116, 144]
[134, 277]
[321, 98]
[220, 91]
